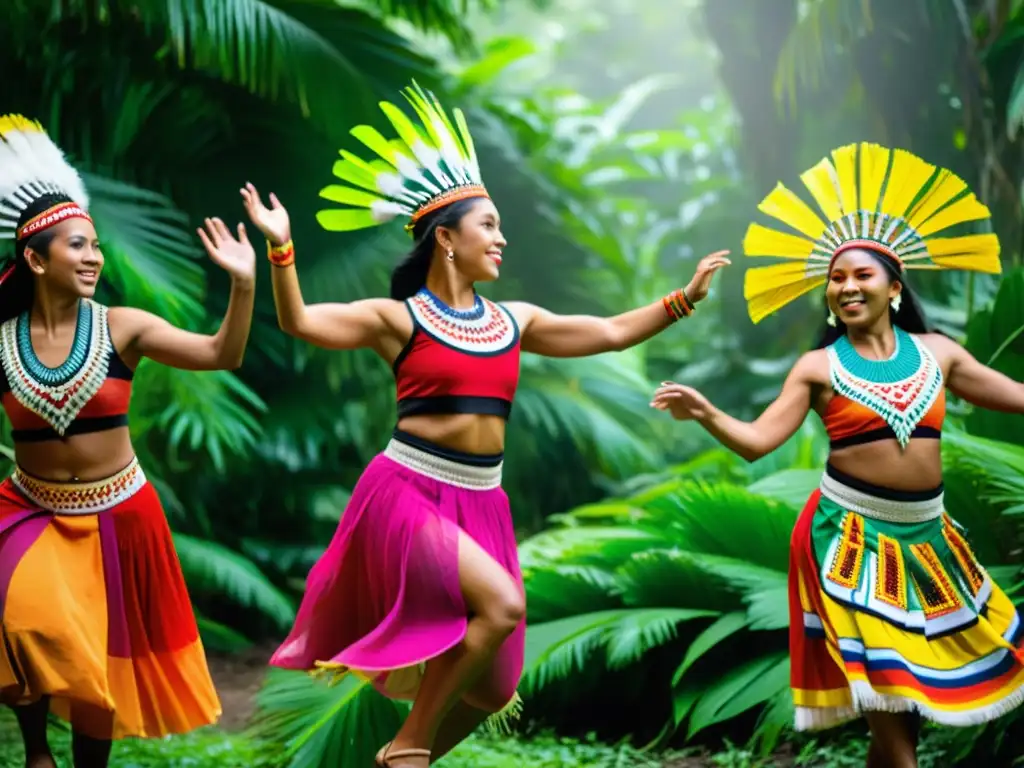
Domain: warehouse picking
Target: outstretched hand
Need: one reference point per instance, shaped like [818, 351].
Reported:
[706, 268]
[273, 222]
[236, 257]
[684, 403]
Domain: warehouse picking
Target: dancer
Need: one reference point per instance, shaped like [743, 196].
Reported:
[420, 589]
[95, 618]
[891, 615]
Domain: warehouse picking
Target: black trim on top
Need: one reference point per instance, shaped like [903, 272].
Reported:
[884, 433]
[77, 427]
[450, 454]
[451, 404]
[890, 494]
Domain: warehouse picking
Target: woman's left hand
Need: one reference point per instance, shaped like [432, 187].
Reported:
[701, 282]
[234, 256]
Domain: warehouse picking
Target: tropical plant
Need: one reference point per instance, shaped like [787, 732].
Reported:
[698, 566]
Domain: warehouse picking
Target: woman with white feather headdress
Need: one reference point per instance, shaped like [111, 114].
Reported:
[420, 591]
[96, 622]
[891, 615]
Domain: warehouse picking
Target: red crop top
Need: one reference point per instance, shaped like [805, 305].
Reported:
[90, 392]
[909, 403]
[458, 360]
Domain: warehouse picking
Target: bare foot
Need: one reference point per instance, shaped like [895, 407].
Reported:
[40, 761]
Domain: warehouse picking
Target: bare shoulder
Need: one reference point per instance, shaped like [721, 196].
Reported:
[940, 345]
[127, 319]
[394, 314]
[522, 312]
[812, 367]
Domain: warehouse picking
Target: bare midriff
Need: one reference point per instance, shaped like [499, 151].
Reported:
[465, 432]
[918, 467]
[81, 458]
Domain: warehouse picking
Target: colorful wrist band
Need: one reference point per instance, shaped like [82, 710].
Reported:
[281, 255]
[677, 305]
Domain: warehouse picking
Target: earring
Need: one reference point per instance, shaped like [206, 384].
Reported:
[896, 302]
[451, 255]
[831, 318]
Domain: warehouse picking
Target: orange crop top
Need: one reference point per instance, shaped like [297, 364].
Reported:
[902, 398]
[89, 392]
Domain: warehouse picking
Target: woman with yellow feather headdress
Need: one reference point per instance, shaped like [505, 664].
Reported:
[891, 615]
[420, 590]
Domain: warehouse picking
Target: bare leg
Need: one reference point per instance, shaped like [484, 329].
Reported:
[89, 752]
[893, 740]
[459, 724]
[32, 722]
[495, 605]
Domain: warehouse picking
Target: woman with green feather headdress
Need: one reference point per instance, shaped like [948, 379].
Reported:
[420, 591]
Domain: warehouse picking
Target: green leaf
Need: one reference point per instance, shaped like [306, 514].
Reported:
[211, 566]
[742, 687]
[726, 625]
[321, 724]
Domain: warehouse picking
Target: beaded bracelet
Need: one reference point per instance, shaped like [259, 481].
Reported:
[281, 255]
[677, 305]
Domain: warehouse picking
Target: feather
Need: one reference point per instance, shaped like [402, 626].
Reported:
[784, 205]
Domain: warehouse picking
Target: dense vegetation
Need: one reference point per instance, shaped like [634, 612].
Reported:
[621, 145]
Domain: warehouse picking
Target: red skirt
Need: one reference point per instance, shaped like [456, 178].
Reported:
[93, 609]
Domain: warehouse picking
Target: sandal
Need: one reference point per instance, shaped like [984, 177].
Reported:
[384, 757]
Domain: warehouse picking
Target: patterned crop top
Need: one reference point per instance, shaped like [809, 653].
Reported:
[89, 392]
[457, 360]
[903, 397]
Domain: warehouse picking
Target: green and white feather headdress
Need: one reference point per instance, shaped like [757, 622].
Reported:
[427, 167]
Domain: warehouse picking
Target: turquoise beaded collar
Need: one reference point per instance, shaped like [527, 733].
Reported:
[57, 395]
[901, 389]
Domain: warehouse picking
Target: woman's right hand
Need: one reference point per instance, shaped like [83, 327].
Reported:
[273, 222]
[684, 403]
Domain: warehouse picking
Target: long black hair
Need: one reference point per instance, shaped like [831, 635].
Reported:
[17, 292]
[411, 275]
[910, 316]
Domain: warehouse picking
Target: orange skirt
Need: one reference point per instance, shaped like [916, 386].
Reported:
[94, 612]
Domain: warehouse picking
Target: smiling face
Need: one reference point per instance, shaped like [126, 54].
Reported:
[860, 288]
[72, 262]
[477, 242]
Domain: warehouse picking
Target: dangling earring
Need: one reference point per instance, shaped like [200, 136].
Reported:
[831, 318]
[896, 302]
[451, 255]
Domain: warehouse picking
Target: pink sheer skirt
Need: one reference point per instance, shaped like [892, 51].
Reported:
[385, 598]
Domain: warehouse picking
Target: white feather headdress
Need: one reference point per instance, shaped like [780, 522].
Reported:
[31, 167]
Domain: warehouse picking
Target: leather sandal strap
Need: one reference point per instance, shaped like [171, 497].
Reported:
[407, 753]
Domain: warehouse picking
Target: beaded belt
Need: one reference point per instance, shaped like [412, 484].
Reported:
[76, 498]
[442, 469]
[886, 510]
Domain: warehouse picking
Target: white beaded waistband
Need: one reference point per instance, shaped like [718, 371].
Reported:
[444, 470]
[877, 508]
[74, 498]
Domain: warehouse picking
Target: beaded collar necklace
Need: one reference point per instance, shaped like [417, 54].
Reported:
[485, 328]
[901, 389]
[57, 395]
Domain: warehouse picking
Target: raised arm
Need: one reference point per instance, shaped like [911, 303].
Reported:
[976, 383]
[751, 440]
[355, 325]
[546, 333]
[153, 337]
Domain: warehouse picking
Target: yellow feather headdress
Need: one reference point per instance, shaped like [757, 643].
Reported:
[888, 201]
[429, 166]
